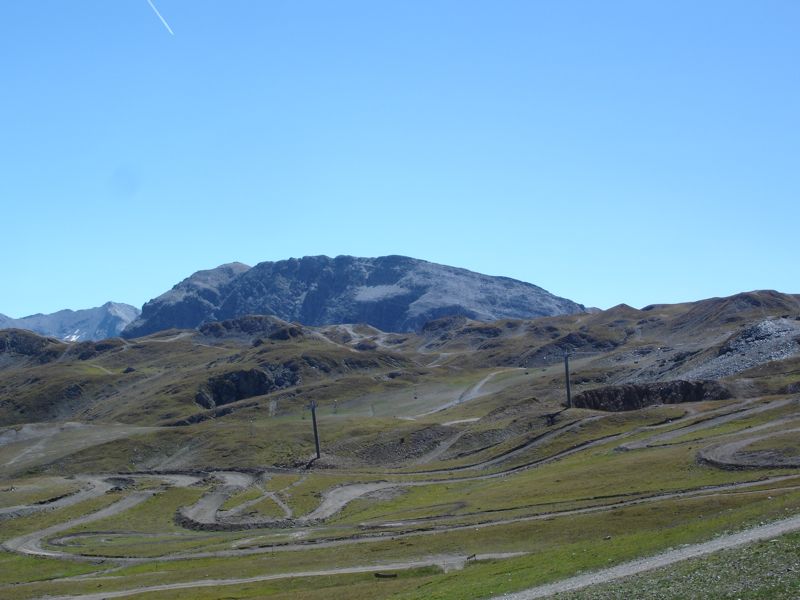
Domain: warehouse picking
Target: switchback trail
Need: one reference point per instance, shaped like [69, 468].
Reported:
[31, 543]
[377, 532]
[93, 486]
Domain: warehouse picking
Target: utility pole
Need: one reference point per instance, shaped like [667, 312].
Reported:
[313, 407]
[566, 376]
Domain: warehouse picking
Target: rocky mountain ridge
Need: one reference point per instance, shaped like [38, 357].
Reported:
[392, 293]
[95, 323]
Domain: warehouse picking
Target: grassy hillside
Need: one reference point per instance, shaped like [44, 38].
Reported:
[449, 458]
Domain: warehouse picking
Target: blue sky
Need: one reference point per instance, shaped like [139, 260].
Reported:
[610, 152]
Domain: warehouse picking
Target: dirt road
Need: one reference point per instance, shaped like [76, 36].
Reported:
[447, 562]
[454, 562]
[93, 486]
[735, 413]
[335, 499]
[664, 559]
[204, 511]
[728, 454]
[470, 393]
[32, 543]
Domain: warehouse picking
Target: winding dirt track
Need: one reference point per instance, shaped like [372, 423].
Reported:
[727, 454]
[335, 499]
[93, 486]
[470, 393]
[31, 543]
[204, 511]
[207, 511]
[664, 559]
[735, 413]
[451, 562]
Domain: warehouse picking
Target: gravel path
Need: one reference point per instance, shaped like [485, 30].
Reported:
[287, 510]
[763, 532]
[737, 413]
[726, 454]
[31, 543]
[377, 535]
[335, 499]
[447, 562]
[453, 562]
[459, 421]
[470, 393]
[94, 486]
[205, 510]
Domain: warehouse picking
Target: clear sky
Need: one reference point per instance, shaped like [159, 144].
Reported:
[608, 151]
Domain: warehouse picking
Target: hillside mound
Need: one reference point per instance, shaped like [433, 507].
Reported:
[22, 343]
[253, 326]
[735, 309]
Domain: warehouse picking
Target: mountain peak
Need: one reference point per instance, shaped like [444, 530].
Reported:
[392, 293]
[68, 325]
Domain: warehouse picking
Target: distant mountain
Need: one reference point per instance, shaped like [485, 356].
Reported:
[189, 303]
[392, 293]
[78, 325]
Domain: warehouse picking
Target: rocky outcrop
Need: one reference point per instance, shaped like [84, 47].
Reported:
[392, 293]
[239, 385]
[253, 326]
[22, 343]
[631, 397]
[89, 350]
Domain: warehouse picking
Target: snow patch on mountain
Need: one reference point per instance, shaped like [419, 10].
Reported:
[378, 292]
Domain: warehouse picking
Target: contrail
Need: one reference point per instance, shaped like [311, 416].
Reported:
[163, 20]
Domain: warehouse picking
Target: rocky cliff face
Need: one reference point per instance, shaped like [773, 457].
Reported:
[392, 293]
[189, 303]
[19, 343]
[633, 397]
[238, 385]
[78, 325]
